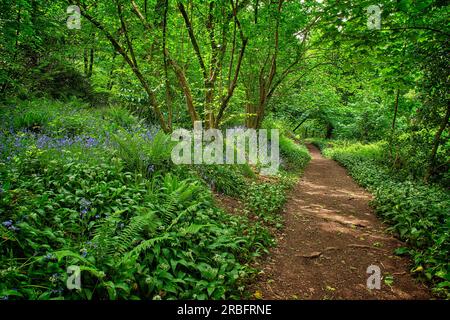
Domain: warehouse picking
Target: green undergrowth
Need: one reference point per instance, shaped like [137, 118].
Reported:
[96, 189]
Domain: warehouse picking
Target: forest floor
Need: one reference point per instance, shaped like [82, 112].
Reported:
[331, 237]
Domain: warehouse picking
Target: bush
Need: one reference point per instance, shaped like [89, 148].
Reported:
[296, 156]
[120, 116]
[59, 81]
[143, 151]
[226, 179]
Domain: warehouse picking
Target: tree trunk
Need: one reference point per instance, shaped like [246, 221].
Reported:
[329, 132]
[391, 145]
[436, 142]
[395, 109]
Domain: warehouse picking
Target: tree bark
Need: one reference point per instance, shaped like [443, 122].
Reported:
[436, 142]
[132, 64]
[395, 109]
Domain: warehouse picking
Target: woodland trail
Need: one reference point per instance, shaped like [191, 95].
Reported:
[331, 237]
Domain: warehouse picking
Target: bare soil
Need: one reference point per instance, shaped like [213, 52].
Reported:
[331, 237]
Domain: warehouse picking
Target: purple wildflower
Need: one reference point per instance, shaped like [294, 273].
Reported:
[7, 223]
[150, 169]
[57, 291]
[85, 206]
[49, 256]
[13, 228]
[91, 142]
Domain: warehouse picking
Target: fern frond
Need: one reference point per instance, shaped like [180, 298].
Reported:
[132, 255]
[134, 229]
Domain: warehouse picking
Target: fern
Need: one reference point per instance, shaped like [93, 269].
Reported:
[104, 235]
[132, 255]
[132, 231]
[111, 242]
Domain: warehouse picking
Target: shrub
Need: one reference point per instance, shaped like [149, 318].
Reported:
[143, 152]
[226, 179]
[296, 156]
[121, 116]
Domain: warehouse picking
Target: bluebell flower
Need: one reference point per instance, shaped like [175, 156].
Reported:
[150, 169]
[85, 205]
[148, 135]
[57, 291]
[91, 142]
[7, 223]
[18, 142]
[43, 141]
[97, 216]
[84, 252]
[49, 256]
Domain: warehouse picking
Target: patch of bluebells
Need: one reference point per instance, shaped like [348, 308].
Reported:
[45, 141]
[11, 144]
[9, 224]
[149, 135]
[85, 206]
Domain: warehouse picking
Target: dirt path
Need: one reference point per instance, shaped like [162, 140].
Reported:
[331, 237]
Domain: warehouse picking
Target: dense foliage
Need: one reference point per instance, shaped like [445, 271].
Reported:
[104, 197]
[90, 92]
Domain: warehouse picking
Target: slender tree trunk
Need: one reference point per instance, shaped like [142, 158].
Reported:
[166, 73]
[110, 81]
[88, 57]
[17, 34]
[436, 143]
[391, 145]
[91, 63]
[395, 109]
